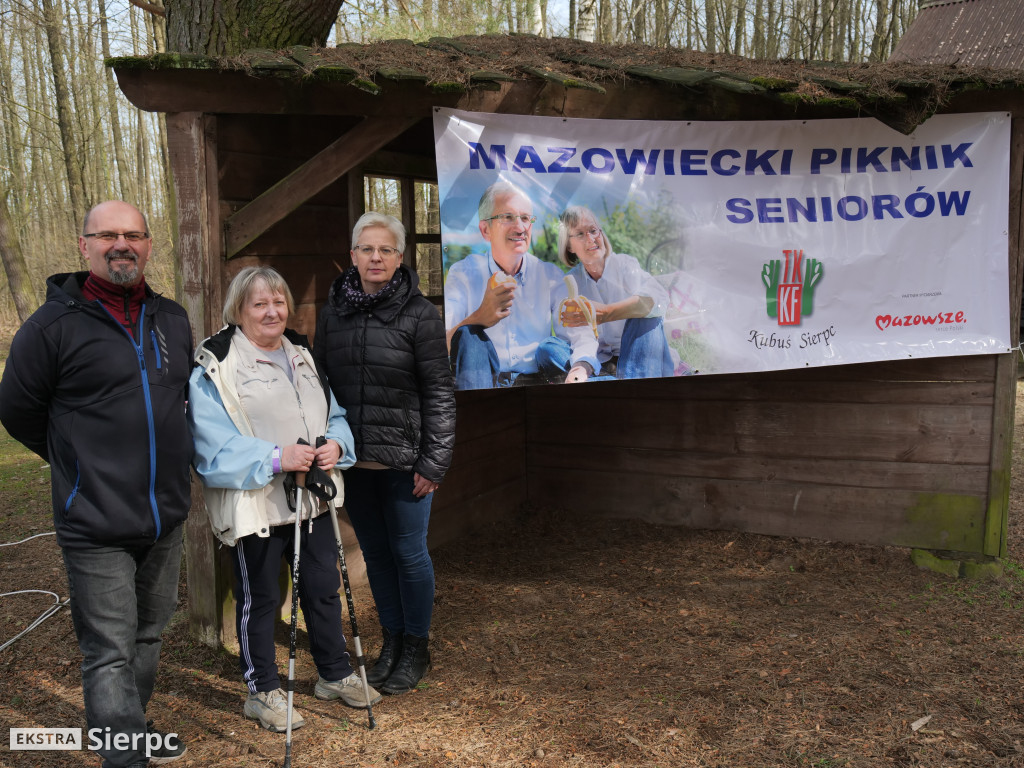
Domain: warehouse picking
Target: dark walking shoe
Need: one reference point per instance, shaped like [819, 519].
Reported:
[390, 652]
[168, 750]
[412, 665]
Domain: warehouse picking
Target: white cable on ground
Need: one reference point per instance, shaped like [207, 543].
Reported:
[57, 605]
[12, 543]
[57, 602]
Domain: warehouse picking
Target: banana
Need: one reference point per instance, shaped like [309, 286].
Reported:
[500, 278]
[577, 302]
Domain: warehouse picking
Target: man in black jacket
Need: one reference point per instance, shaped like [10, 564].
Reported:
[96, 383]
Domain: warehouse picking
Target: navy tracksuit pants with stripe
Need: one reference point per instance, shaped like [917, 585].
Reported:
[257, 563]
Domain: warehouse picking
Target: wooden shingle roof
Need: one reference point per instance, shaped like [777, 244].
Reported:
[448, 71]
[986, 33]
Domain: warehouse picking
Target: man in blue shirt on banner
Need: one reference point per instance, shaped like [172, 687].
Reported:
[499, 308]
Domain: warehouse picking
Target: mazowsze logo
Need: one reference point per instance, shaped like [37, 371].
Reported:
[789, 286]
[903, 321]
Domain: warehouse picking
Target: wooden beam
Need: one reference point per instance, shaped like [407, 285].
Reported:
[324, 168]
[388, 163]
[1001, 463]
[192, 144]
[408, 193]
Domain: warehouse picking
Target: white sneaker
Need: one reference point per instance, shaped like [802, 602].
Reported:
[271, 709]
[349, 690]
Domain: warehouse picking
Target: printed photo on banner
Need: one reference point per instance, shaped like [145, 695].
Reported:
[580, 250]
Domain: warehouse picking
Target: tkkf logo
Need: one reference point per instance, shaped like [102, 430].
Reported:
[789, 289]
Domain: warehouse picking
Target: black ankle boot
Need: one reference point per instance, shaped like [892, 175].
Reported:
[390, 652]
[412, 666]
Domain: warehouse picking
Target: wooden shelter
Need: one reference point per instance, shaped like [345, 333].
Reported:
[976, 33]
[270, 151]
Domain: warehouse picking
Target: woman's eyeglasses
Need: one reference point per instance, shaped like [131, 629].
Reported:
[384, 250]
[593, 232]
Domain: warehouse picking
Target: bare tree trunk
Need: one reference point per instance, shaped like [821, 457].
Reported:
[587, 20]
[740, 29]
[605, 20]
[7, 117]
[65, 116]
[536, 17]
[710, 44]
[15, 267]
[113, 112]
[222, 27]
[638, 14]
[879, 42]
[758, 36]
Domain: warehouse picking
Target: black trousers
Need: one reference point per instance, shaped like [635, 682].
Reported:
[257, 563]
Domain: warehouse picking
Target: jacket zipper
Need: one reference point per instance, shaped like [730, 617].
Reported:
[156, 347]
[128, 314]
[74, 490]
[140, 354]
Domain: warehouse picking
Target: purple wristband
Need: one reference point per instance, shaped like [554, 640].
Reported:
[276, 460]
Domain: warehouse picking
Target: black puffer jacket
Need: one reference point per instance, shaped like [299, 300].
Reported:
[389, 369]
[107, 412]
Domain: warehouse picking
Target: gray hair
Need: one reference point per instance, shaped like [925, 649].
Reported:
[503, 188]
[569, 220]
[242, 286]
[375, 219]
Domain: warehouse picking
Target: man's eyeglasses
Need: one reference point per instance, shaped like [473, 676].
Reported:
[510, 218]
[111, 237]
[384, 250]
[592, 232]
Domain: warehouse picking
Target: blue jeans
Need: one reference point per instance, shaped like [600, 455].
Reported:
[257, 564]
[121, 600]
[476, 365]
[643, 352]
[391, 526]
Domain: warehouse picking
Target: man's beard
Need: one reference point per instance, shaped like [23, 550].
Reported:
[123, 275]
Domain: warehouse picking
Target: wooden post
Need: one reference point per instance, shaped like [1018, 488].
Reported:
[192, 143]
[997, 517]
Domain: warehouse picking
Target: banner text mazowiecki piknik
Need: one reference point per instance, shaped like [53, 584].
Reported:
[580, 250]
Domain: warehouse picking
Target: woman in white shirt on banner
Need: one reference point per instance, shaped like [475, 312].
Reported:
[628, 304]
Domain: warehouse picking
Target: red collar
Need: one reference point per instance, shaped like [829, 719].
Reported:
[118, 299]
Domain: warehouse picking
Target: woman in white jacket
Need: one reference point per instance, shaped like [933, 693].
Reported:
[626, 305]
[253, 393]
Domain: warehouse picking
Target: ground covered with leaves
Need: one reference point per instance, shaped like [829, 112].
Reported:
[569, 641]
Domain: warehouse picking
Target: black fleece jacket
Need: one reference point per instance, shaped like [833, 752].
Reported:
[107, 411]
[388, 367]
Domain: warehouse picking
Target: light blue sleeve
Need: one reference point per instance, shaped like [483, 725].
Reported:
[224, 457]
[339, 431]
[457, 292]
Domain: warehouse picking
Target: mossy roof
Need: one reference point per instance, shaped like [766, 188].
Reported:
[902, 95]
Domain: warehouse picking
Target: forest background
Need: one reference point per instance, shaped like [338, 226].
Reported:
[69, 138]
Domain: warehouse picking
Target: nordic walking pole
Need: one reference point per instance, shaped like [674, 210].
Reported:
[360, 659]
[300, 487]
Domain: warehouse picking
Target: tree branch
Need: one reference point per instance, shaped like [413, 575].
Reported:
[156, 10]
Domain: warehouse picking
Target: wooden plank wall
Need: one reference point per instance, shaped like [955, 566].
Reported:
[889, 453]
[310, 246]
[487, 481]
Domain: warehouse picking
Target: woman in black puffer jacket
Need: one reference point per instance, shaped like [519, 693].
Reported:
[381, 345]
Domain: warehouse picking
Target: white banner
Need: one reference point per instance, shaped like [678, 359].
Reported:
[750, 246]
